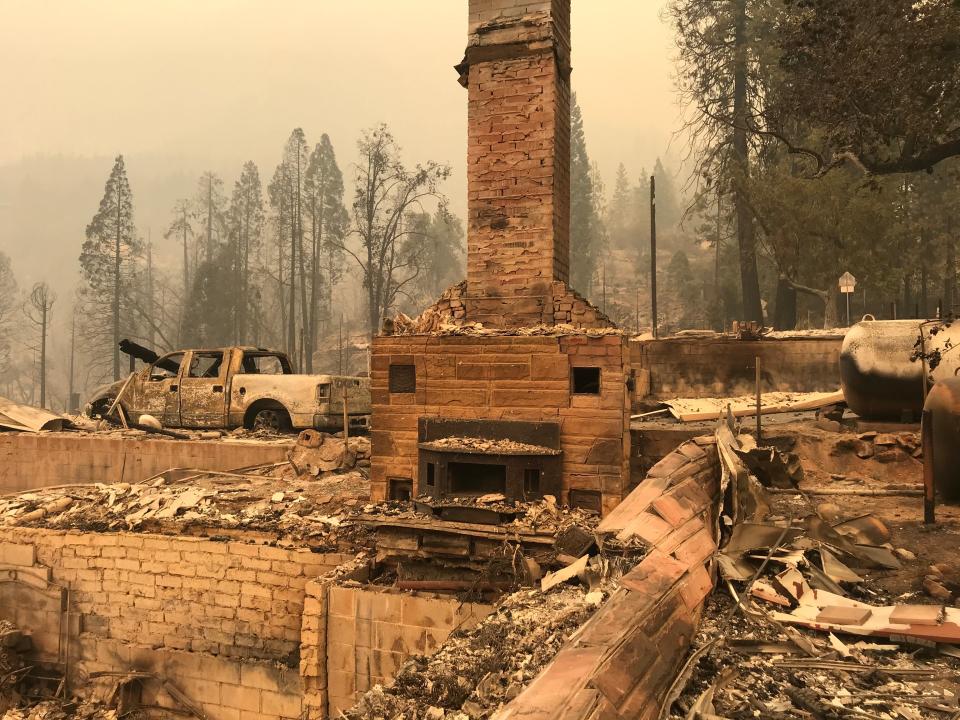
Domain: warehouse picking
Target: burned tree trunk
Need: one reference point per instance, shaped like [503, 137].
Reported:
[746, 236]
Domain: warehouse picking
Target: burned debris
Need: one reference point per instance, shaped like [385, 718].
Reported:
[523, 511]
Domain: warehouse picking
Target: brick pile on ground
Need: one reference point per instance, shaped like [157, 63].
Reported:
[317, 453]
[884, 447]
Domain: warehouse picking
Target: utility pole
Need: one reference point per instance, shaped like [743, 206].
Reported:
[73, 344]
[604, 303]
[341, 344]
[653, 253]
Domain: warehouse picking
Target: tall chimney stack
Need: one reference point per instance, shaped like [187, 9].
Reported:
[517, 72]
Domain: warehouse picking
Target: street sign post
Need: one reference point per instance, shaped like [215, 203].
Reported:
[847, 285]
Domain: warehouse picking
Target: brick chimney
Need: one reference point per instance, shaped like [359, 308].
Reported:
[517, 72]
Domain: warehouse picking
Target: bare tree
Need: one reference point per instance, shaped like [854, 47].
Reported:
[8, 294]
[37, 309]
[389, 256]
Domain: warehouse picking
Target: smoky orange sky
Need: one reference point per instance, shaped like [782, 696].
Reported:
[211, 83]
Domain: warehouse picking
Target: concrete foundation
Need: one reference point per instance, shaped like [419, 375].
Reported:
[723, 366]
[36, 460]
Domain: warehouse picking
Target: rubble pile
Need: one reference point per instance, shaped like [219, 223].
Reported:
[884, 447]
[60, 710]
[316, 453]
[12, 665]
[475, 672]
[754, 667]
[808, 627]
[487, 447]
[543, 517]
[177, 501]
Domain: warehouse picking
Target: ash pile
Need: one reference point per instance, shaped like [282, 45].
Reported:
[305, 497]
[476, 672]
[820, 615]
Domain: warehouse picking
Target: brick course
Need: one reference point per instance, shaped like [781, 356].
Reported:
[229, 599]
[372, 631]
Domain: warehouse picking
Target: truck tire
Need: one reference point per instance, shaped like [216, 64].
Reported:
[273, 419]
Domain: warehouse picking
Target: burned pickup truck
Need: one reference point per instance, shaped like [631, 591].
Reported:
[233, 387]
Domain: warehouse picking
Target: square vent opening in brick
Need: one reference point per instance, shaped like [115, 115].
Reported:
[585, 380]
[531, 482]
[403, 378]
[401, 489]
[477, 478]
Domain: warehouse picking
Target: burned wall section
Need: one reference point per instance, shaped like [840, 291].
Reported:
[221, 620]
[506, 377]
[623, 661]
[36, 460]
[718, 366]
[372, 631]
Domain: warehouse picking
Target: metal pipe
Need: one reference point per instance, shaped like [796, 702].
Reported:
[653, 253]
[759, 402]
[929, 490]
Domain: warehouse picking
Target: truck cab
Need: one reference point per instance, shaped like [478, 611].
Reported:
[237, 387]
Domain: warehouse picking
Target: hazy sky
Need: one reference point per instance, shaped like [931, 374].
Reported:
[197, 84]
[220, 80]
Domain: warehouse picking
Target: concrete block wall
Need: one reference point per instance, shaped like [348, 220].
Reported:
[226, 598]
[725, 367]
[225, 688]
[506, 378]
[622, 662]
[36, 460]
[372, 631]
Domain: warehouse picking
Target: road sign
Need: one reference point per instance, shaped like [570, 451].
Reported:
[847, 283]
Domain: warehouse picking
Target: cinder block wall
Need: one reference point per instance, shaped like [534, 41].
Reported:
[29, 460]
[372, 631]
[203, 613]
[506, 378]
[724, 367]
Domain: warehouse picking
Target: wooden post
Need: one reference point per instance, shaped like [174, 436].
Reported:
[759, 402]
[346, 414]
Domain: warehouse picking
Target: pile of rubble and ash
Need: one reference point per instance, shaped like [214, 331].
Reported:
[306, 497]
[544, 516]
[487, 447]
[477, 671]
[12, 665]
[803, 629]
[754, 667]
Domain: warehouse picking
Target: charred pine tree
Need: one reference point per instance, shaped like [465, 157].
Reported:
[721, 85]
[107, 260]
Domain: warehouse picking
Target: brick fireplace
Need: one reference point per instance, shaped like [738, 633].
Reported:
[523, 361]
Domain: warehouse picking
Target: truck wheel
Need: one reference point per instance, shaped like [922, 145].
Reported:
[271, 419]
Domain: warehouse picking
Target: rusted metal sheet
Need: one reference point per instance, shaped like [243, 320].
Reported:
[14, 416]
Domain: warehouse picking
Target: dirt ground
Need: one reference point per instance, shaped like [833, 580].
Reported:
[830, 463]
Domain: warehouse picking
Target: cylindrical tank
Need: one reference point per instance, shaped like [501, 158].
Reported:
[878, 378]
[943, 402]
